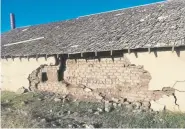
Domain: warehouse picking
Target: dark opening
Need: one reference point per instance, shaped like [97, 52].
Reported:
[62, 68]
[44, 77]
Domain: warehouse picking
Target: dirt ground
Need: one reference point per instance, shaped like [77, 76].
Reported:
[47, 110]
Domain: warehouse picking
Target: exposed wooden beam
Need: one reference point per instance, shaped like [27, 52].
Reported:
[111, 52]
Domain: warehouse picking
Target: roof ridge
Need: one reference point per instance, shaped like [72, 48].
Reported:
[164, 1]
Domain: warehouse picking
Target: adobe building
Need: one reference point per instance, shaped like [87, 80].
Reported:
[136, 53]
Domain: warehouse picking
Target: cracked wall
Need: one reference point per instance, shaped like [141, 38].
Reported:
[167, 69]
[158, 78]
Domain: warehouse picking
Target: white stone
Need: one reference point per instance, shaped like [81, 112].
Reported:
[87, 89]
[99, 97]
[107, 109]
[169, 102]
[97, 113]
[156, 106]
[100, 110]
[115, 100]
[89, 126]
[115, 105]
[57, 99]
[119, 105]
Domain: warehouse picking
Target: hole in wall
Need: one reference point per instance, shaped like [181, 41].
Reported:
[62, 68]
[44, 77]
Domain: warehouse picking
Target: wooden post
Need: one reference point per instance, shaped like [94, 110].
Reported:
[46, 57]
[37, 57]
[129, 50]
[111, 52]
[96, 54]
[149, 50]
[81, 54]
[57, 56]
[173, 48]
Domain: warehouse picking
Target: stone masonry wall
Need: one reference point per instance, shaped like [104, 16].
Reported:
[158, 78]
[112, 78]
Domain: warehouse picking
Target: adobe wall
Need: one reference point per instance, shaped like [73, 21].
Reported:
[167, 69]
[142, 76]
[14, 73]
[158, 78]
[126, 77]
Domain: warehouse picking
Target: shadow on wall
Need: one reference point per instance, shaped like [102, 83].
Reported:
[61, 60]
[62, 68]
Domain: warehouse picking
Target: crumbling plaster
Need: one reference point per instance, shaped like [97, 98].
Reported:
[167, 69]
[15, 72]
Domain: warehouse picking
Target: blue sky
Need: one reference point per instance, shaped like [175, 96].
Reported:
[32, 12]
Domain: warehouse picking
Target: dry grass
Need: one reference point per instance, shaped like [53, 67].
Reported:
[39, 110]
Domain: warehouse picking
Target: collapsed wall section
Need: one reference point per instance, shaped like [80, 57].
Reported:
[145, 77]
[112, 76]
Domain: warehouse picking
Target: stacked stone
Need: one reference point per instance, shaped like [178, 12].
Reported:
[116, 77]
[112, 77]
[34, 79]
